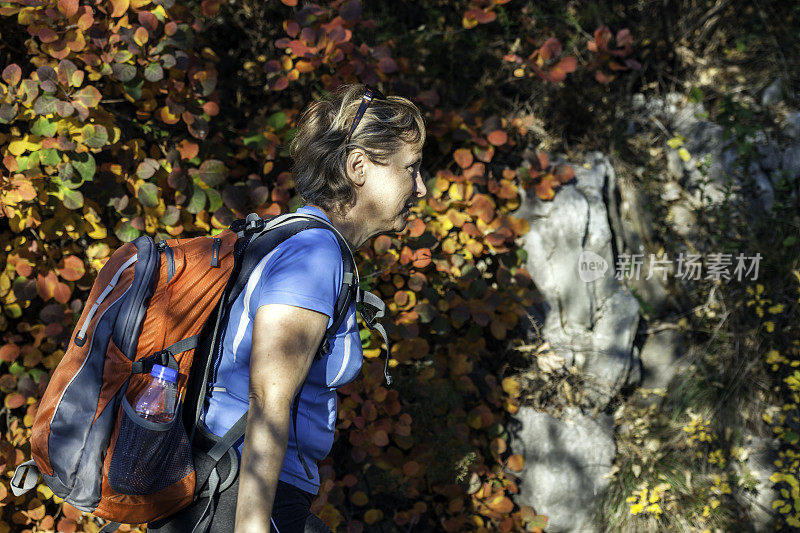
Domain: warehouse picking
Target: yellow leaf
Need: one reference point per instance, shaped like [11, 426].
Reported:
[684, 153]
[17, 147]
[373, 515]
[675, 142]
[454, 194]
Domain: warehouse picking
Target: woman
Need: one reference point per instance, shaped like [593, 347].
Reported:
[356, 158]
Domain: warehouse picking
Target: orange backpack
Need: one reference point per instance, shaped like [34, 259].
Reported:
[155, 304]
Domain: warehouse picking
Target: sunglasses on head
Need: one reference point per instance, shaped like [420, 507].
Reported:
[362, 108]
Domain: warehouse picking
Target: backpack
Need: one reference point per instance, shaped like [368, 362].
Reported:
[168, 304]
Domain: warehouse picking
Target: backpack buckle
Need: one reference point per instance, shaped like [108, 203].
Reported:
[253, 223]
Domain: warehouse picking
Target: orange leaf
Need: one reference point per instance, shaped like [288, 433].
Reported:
[415, 228]
[463, 157]
[497, 446]
[71, 268]
[544, 189]
[411, 468]
[290, 3]
[188, 149]
[140, 36]
[498, 137]
[564, 173]
[382, 244]
[68, 7]
[36, 509]
[516, 462]
[380, 438]
[119, 7]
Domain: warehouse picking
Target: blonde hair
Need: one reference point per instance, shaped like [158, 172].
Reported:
[320, 152]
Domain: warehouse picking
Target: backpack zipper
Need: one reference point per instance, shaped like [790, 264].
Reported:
[85, 359]
[170, 255]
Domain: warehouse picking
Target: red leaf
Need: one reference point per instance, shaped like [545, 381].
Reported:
[422, 258]
[47, 35]
[14, 400]
[292, 28]
[564, 173]
[280, 84]
[387, 65]
[498, 137]
[9, 353]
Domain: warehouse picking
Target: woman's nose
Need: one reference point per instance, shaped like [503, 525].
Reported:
[419, 186]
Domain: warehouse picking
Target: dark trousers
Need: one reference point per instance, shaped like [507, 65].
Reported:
[290, 513]
[290, 510]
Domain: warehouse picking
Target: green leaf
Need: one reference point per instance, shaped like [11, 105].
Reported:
[134, 88]
[123, 56]
[147, 168]
[789, 241]
[44, 127]
[16, 369]
[277, 120]
[123, 72]
[198, 200]
[257, 140]
[696, 95]
[214, 200]
[22, 163]
[95, 135]
[49, 156]
[125, 232]
[7, 113]
[71, 199]
[85, 165]
[148, 194]
[66, 171]
[170, 216]
[153, 72]
[33, 160]
[45, 105]
[212, 172]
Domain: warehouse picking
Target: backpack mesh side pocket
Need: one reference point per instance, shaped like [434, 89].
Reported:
[149, 456]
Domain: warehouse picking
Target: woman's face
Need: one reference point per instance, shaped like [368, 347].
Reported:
[390, 190]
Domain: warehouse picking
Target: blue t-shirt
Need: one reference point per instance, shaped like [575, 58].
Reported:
[304, 271]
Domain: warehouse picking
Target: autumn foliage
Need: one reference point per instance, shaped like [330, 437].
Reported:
[112, 126]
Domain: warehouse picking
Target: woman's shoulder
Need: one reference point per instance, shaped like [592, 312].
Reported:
[314, 243]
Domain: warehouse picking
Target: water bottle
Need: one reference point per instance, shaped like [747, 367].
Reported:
[157, 401]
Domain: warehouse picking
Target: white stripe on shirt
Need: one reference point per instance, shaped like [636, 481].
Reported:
[347, 347]
[244, 319]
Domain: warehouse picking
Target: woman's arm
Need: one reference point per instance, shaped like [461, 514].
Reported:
[285, 340]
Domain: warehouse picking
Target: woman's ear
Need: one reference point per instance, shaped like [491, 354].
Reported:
[355, 166]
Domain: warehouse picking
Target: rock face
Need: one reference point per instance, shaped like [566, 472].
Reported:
[590, 317]
[566, 461]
